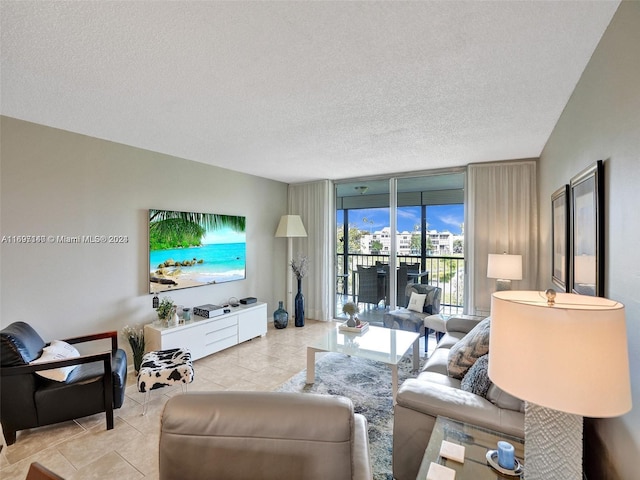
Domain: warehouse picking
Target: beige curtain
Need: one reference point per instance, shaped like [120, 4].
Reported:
[314, 202]
[501, 216]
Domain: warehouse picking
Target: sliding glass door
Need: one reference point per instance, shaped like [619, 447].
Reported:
[394, 231]
[434, 206]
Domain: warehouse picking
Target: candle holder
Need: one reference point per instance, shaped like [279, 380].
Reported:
[492, 460]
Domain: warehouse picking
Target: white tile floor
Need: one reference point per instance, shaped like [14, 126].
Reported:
[84, 449]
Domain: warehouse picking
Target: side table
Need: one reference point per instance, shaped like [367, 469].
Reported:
[476, 440]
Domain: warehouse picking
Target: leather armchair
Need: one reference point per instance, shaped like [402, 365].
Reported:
[28, 400]
[264, 436]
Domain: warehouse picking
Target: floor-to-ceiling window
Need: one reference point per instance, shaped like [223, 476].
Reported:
[410, 224]
[362, 241]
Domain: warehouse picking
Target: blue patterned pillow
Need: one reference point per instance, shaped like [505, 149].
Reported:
[476, 380]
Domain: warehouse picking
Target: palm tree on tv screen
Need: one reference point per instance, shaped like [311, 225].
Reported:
[170, 229]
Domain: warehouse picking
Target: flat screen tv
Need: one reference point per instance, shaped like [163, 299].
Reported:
[190, 249]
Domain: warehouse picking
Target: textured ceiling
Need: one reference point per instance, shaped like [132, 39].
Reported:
[298, 91]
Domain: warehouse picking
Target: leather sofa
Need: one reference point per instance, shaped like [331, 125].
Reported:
[262, 435]
[435, 392]
[28, 400]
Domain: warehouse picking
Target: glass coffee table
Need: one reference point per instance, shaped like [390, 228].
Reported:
[477, 441]
[377, 343]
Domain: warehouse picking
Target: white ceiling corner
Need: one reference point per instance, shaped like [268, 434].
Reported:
[299, 91]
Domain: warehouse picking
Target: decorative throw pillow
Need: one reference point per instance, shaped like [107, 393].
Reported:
[467, 350]
[432, 300]
[416, 302]
[57, 350]
[476, 380]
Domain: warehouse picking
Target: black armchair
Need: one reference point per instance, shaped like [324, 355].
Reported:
[28, 400]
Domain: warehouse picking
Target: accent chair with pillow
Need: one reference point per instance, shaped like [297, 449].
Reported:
[422, 302]
[453, 383]
[42, 384]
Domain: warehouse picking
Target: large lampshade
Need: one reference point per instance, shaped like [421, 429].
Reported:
[566, 356]
[570, 356]
[290, 226]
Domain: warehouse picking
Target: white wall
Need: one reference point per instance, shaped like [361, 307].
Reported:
[60, 183]
[602, 121]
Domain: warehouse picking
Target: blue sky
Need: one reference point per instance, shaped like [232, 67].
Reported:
[439, 217]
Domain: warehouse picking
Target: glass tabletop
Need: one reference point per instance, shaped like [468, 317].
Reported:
[377, 343]
[477, 441]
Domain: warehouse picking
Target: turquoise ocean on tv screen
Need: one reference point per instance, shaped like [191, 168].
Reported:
[223, 262]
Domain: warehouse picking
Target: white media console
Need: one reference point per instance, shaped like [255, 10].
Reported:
[204, 336]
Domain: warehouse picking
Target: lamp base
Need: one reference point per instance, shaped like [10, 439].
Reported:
[553, 444]
[502, 285]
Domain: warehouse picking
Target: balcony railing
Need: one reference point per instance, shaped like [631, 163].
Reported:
[446, 272]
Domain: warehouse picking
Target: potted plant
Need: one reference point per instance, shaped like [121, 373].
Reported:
[351, 309]
[136, 340]
[165, 310]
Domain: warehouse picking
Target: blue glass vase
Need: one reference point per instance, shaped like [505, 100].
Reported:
[299, 305]
[280, 317]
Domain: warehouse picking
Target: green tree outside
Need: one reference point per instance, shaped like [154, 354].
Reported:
[415, 243]
[355, 235]
[458, 247]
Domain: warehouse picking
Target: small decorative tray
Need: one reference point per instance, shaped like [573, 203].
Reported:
[492, 459]
[363, 327]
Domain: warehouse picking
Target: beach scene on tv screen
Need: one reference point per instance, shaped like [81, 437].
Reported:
[190, 249]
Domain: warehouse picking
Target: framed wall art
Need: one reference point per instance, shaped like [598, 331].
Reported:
[587, 231]
[560, 257]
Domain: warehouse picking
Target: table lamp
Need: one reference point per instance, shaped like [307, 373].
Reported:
[504, 268]
[566, 356]
[290, 226]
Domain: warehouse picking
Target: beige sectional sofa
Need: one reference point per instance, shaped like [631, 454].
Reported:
[436, 392]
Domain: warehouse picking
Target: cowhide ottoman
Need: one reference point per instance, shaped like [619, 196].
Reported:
[163, 368]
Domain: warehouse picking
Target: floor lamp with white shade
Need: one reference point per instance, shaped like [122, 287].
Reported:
[566, 356]
[290, 227]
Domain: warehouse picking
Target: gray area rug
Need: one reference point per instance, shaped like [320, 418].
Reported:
[368, 385]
